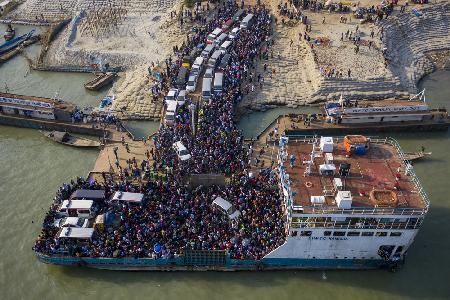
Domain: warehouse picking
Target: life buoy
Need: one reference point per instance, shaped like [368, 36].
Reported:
[308, 184]
[380, 226]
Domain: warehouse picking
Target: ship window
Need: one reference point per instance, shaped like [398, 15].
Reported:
[339, 233]
[294, 233]
[353, 233]
[381, 233]
[367, 233]
[327, 233]
[305, 233]
[396, 233]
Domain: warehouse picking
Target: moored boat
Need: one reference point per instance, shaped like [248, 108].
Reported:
[70, 140]
[100, 81]
[412, 156]
[9, 33]
[15, 42]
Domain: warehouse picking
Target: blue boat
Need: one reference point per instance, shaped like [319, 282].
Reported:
[15, 42]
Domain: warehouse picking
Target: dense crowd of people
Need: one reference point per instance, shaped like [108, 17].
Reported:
[174, 217]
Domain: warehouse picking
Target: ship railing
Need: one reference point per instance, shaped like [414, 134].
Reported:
[357, 211]
[407, 165]
[381, 225]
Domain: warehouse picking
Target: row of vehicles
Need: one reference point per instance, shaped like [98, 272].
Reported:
[77, 217]
[211, 63]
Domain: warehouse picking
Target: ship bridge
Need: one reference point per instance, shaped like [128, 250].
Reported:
[352, 182]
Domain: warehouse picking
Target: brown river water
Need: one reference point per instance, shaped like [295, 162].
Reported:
[32, 168]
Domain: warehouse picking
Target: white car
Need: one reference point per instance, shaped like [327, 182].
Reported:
[182, 152]
[172, 95]
[226, 208]
[191, 84]
[234, 33]
[73, 222]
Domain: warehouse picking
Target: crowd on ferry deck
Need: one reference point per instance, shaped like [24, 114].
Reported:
[175, 218]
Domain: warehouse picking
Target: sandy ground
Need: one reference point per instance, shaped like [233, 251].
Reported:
[301, 70]
[296, 73]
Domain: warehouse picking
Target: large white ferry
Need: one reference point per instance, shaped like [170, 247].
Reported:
[351, 201]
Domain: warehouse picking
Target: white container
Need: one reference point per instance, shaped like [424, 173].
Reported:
[326, 144]
[344, 199]
[317, 200]
[337, 183]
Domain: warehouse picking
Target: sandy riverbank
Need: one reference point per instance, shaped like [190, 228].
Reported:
[302, 71]
[297, 73]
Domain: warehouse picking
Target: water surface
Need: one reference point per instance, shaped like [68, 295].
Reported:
[32, 168]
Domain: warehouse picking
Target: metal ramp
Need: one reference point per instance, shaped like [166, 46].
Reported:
[205, 257]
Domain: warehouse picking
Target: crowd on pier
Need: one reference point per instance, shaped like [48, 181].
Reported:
[173, 217]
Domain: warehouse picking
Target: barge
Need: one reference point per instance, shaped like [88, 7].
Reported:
[362, 118]
[100, 81]
[44, 114]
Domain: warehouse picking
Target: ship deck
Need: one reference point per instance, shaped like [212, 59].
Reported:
[381, 168]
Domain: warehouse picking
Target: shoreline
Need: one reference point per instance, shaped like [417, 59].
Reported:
[298, 68]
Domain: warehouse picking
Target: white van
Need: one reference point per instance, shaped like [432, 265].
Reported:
[172, 107]
[76, 208]
[74, 222]
[192, 83]
[218, 83]
[209, 73]
[76, 233]
[247, 22]
[207, 51]
[206, 88]
[181, 151]
[197, 66]
[225, 46]
[171, 95]
[226, 207]
[181, 98]
[219, 40]
[216, 32]
[234, 33]
[214, 59]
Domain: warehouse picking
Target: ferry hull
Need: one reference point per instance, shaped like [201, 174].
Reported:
[266, 264]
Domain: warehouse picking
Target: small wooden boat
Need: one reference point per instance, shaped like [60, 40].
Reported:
[70, 140]
[10, 33]
[15, 42]
[411, 156]
[100, 81]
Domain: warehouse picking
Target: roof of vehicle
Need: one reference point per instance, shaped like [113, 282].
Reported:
[77, 204]
[182, 93]
[179, 145]
[76, 233]
[218, 78]
[71, 221]
[208, 71]
[223, 36]
[198, 61]
[171, 105]
[216, 54]
[224, 204]
[172, 92]
[210, 47]
[226, 44]
[88, 194]
[128, 197]
[217, 31]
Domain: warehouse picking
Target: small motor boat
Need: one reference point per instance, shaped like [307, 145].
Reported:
[10, 33]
